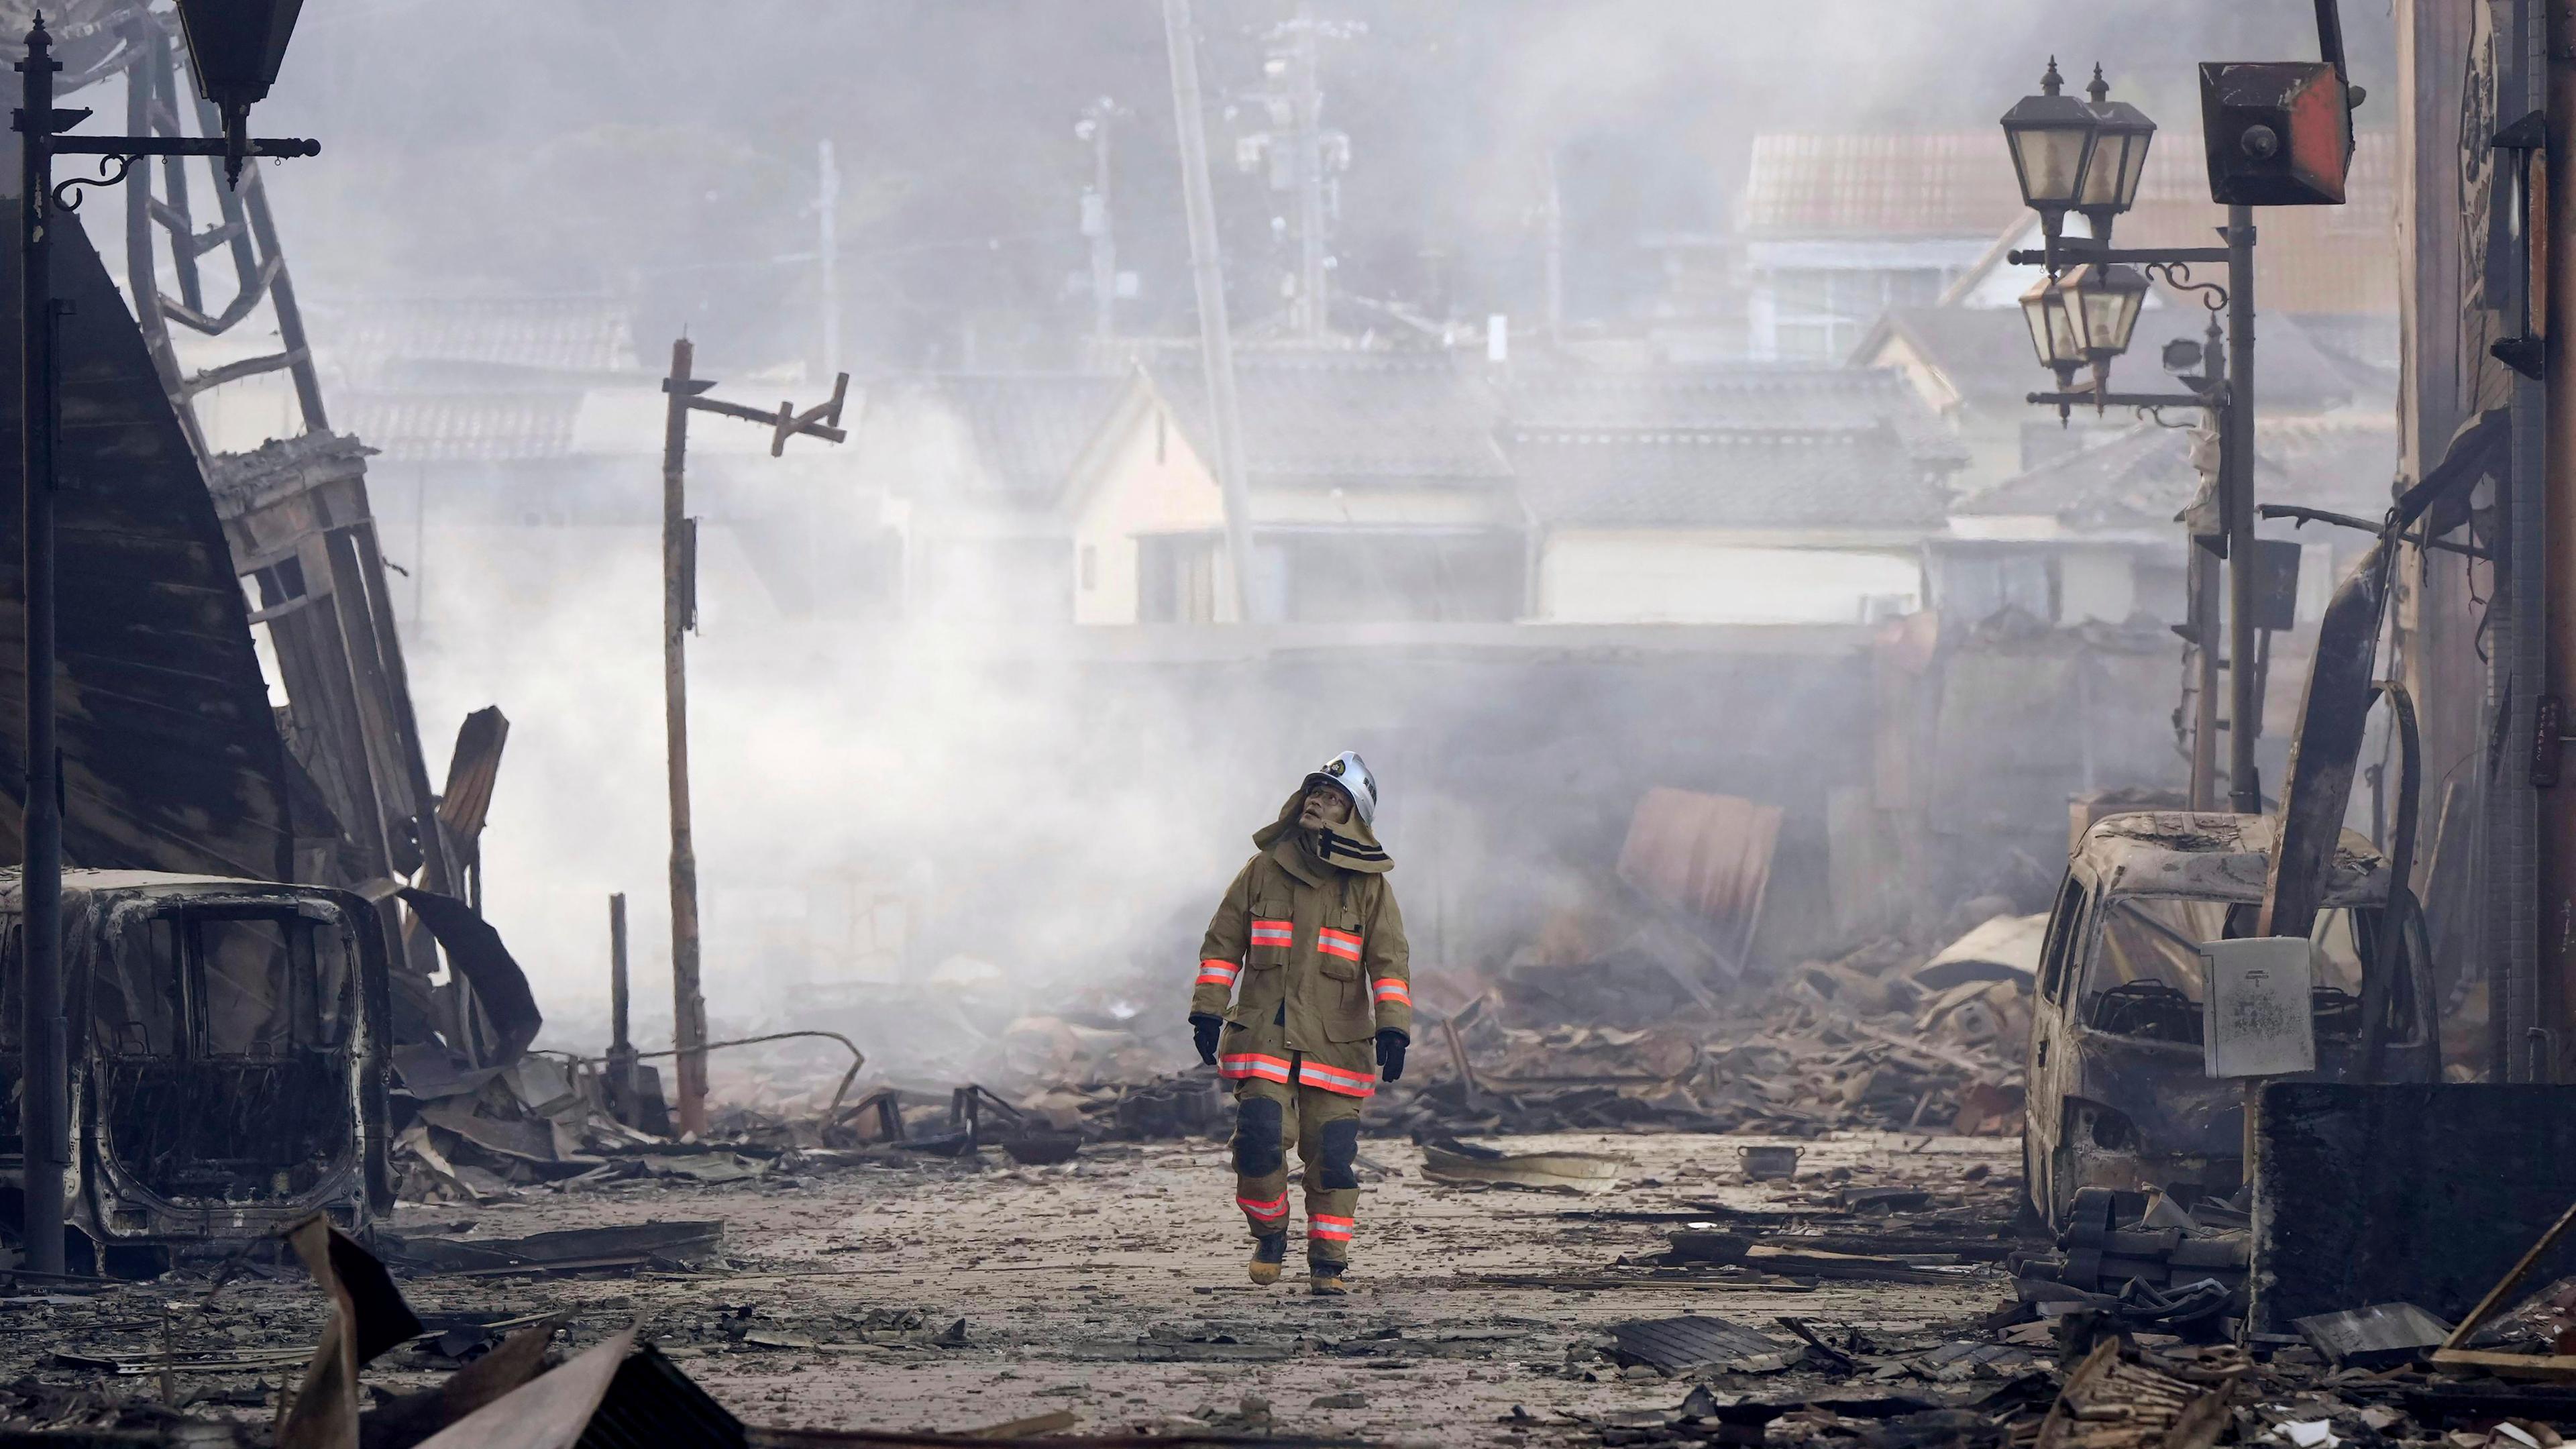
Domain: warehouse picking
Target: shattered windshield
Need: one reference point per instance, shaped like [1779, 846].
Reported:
[235, 982]
[2144, 978]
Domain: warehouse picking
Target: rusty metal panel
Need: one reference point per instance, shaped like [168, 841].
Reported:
[1709, 854]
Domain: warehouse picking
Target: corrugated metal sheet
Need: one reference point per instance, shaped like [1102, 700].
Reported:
[1708, 854]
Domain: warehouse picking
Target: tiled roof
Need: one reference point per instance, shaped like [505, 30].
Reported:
[447, 427]
[1879, 187]
[2320, 259]
[2142, 478]
[1734, 397]
[1985, 353]
[365, 338]
[1024, 429]
[1344, 419]
[1889, 187]
[1844, 479]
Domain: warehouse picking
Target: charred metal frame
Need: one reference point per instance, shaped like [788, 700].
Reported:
[107, 1201]
[2109, 1110]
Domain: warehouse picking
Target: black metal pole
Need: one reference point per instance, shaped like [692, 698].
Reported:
[41, 1087]
[2244, 696]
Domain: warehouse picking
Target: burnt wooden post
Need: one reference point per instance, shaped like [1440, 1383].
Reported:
[679, 616]
[621, 1041]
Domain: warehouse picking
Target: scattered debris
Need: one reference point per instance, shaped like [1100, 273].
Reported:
[2381, 1336]
[1464, 1162]
[673, 1245]
[1768, 1164]
[1678, 1345]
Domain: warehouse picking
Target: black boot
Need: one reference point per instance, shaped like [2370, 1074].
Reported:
[1324, 1277]
[1268, 1252]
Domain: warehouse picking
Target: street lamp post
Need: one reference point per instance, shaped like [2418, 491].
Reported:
[2088, 158]
[235, 49]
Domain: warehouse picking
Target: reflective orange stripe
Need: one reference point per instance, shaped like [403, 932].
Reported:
[1276, 1208]
[1338, 943]
[1253, 1065]
[1387, 988]
[1274, 933]
[1334, 1079]
[1218, 973]
[1331, 1229]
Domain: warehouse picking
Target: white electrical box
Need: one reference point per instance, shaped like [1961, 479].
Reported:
[2259, 1018]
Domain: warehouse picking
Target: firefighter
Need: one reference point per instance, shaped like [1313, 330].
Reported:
[1304, 1001]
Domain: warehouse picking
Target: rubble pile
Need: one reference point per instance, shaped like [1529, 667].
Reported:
[1881, 1037]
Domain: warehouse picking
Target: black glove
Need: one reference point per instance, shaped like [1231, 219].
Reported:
[1390, 1054]
[1203, 1029]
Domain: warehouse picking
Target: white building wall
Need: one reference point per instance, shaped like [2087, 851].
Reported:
[2095, 584]
[1683, 578]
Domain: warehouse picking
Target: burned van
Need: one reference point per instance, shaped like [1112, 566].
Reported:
[227, 1042]
[2118, 1097]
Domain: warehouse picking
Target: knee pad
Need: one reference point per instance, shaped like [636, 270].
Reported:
[1258, 1122]
[1338, 1163]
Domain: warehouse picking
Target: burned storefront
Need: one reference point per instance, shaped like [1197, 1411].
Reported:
[231, 1036]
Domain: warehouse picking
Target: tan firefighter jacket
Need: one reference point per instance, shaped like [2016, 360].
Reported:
[1305, 959]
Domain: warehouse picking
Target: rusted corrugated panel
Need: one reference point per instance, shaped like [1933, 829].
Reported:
[1709, 854]
[171, 759]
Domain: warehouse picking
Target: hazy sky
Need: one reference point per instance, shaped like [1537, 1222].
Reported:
[666, 151]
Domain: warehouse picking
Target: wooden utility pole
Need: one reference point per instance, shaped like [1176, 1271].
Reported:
[679, 617]
[1207, 270]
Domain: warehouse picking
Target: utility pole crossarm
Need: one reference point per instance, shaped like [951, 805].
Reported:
[820, 421]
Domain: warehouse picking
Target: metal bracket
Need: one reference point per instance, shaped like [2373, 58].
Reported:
[2526, 355]
[111, 170]
[2531, 133]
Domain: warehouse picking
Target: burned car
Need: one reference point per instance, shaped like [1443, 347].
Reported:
[2118, 1097]
[227, 1051]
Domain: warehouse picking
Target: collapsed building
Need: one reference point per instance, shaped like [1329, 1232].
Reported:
[194, 790]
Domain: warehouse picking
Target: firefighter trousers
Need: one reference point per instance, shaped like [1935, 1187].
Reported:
[1271, 1117]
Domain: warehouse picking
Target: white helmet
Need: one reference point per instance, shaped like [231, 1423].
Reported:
[1349, 773]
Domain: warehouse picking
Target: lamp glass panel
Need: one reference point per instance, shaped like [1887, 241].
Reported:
[2119, 157]
[2052, 328]
[2102, 304]
[2051, 162]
